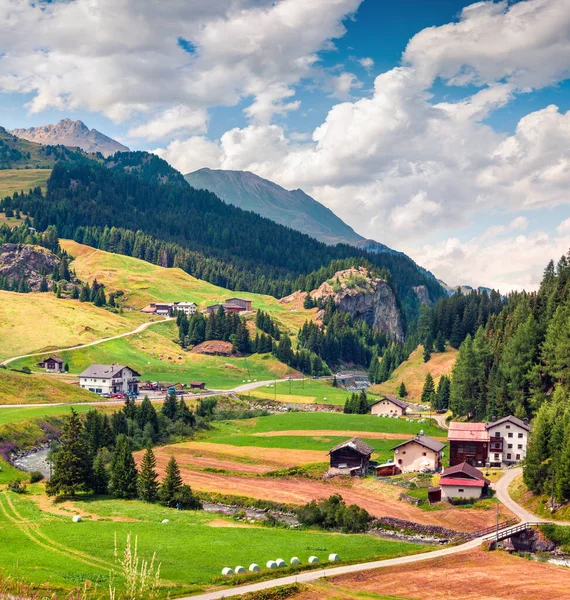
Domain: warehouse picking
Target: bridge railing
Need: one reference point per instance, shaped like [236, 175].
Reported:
[481, 532]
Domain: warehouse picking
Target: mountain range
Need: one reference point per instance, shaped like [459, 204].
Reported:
[74, 134]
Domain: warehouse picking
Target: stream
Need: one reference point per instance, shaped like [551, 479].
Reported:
[36, 460]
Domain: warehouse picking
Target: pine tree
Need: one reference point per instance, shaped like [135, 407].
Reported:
[73, 465]
[443, 392]
[123, 470]
[43, 285]
[171, 483]
[100, 475]
[428, 391]
[562, 488]
[147, 482]
[362, 403]
[402, 391]
[170, 406]
[440, 342]
[457, 335]
[427, 354]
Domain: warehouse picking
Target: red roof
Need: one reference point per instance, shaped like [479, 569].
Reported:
[474, 432]
[461, 482]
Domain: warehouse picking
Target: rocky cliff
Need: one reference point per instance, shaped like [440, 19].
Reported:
[73, 134]
[364, 298]
[29, 262]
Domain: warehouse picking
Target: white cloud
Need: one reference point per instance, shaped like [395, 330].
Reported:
[519, 223]
[564, 227]
[122, 57]
[191, 154]
[366, 63]
[411, 215]
[181, 119]
[341, 85]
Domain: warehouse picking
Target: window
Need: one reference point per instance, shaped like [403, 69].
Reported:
[496, 457]
[460, 490]
[518, 456]
[510, 446]
[510, 434]
[520, 435]
[497, 434]
[508, 426]
[425, 453]
[508, 457]
[520, 446]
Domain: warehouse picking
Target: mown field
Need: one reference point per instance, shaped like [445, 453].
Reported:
[41, 322]
[17, 180]
[192, 549]
[155, 355]
[413, 373]
[144, 282]
[21, 388]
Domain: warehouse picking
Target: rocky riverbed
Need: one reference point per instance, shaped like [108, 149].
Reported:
[34, 460]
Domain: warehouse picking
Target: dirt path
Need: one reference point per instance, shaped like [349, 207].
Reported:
[371, 435]
[95, 343]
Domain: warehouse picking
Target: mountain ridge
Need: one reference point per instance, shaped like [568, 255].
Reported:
[73, 134]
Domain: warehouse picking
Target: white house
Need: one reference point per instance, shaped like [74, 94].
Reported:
[389, 406]
[188, 308]
[508, 439]
[463, 481]
[420, 454]
[110, 379]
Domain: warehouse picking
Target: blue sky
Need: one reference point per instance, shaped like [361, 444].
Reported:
[438, 127]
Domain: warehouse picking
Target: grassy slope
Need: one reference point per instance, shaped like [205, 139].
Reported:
[18, 388]
[537, 505]
[413, 373]
[175, 544]
[155, 355]
[17, 180]
[144, 282]
[40, 322]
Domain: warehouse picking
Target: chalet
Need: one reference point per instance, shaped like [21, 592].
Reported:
[468, 442]
[197, 385]
[351, 457]
[463, 481]
[389, 406]
[508, 438]
[240, 302]
[110, 379]
[188, 308]
[421, 453]
[164, 308]
[232, 305]
[53, 364]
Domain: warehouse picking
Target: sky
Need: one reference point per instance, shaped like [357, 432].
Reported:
[438, 127]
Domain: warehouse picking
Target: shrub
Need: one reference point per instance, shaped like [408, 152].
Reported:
[36, 476]
[334, 514]
[18, 486]
[26, 370]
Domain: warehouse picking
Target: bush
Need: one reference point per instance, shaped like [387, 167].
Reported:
[26, 370]
[36, 476]
[18, 486]
[334, 514]
[186, 498]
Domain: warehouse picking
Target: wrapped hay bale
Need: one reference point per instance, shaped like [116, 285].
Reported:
[239, 570]
[334, 557]
[227, 571]
[294, 561]
[77, 519]
[281, 563]
[165, 521]
[313, 560]
[254, 568]
[271, 564]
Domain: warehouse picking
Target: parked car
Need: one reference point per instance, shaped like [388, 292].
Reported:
[105, 395]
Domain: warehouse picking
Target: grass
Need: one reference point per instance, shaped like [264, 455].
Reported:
[24, 413]
[537, 505]
[20, 388]
[190, 551]
[413, 373]
[17, 180]
[41, 322]
[309, 391]
[144, 282]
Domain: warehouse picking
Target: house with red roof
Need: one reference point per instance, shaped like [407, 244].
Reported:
[463, 481]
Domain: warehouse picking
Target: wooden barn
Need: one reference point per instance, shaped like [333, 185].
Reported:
[352, 456]
[468, 442]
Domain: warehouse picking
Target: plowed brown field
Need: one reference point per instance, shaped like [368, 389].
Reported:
[473, 575]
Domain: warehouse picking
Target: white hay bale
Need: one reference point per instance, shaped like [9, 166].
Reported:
[227, 571]
[239, 570]
[334, 557]
[271, 564]
[313, 560]
[254, 568]
[281, 563]
[77, 519]
[294, 561]
[164, 521]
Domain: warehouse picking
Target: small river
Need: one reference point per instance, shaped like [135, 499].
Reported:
[34, 461]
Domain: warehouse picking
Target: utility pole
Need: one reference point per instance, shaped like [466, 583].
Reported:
[497, 505]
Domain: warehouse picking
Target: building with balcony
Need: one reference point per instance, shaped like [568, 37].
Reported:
[110, 379]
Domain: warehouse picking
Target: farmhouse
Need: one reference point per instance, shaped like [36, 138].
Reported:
[164, 308]
[232, 305]
[110, 379]
[197, 385]
[389, 406]
[351, 457]
[508, 439]
[463, 481]
[421, 453]
[53, 364]
[468, 442]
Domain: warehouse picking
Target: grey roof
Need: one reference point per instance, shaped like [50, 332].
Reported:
[393, 400]
[510, 419]
[54, 358]
[425, 441]
[358, 445]
[465, 469]
[105, 371]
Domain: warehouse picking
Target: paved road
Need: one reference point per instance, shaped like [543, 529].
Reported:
[79, 346]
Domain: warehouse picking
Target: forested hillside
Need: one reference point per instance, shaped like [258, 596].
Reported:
[153, 216]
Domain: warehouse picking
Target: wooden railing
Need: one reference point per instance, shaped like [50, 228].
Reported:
[481, 532]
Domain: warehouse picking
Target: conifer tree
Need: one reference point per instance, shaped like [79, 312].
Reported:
[443, 392]
[123, 470]
[171, 483]
[43, 285]
[73, 465]
[428, 391]
[362, 403]
[402, 391]
[100, 475]
[170, 406]
[440, 342]
[427, 354]
[147, 482]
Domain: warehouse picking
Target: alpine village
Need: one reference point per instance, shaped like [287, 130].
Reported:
[213, 387]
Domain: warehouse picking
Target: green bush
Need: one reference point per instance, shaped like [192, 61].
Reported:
[36, 476]
[18, 486]
[333, 513]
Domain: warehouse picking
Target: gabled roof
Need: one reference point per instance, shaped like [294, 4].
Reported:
[462, 482]
[356, 444]
[463, 471]
[105, 371]
[473, 432]
[509, 419]
[54, 358]
[425, 441]
[393, 400]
